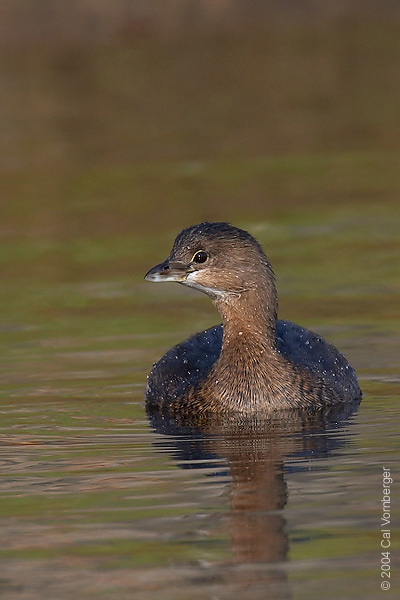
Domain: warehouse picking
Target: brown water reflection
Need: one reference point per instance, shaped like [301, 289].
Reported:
[256, 453]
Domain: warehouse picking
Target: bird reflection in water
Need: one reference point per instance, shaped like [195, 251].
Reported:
[258, 453]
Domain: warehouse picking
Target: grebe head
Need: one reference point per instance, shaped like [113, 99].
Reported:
[215, 258]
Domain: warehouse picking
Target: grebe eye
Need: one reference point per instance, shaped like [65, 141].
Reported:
[200, 257]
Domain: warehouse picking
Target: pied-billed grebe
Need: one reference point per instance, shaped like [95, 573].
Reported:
[252, 362]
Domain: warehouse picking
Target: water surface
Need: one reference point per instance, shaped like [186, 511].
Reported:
[100, 169]
[98, 500]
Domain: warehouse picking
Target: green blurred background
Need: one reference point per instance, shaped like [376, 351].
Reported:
[124, 121]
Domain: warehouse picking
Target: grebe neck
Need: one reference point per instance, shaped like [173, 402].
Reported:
[249, 322]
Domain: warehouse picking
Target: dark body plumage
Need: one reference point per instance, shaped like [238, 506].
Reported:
[177, 376]
[252, 362]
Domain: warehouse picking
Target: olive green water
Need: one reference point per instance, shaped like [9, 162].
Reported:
[109, 152]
